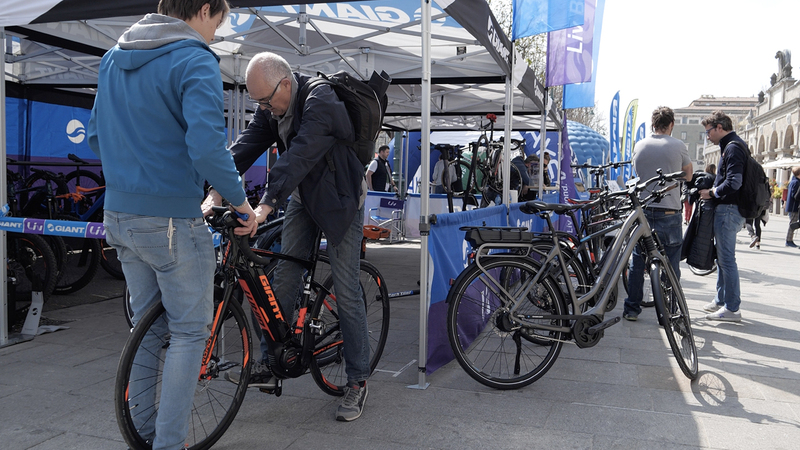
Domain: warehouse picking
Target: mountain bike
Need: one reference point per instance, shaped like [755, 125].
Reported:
[310, 343]
[508, 318]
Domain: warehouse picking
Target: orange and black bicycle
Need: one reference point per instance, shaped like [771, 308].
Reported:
[311, 342]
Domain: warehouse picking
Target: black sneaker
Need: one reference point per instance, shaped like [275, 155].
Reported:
[353, 403]
[260, 377]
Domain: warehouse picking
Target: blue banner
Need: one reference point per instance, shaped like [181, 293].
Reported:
[542, 16]
[448, 252]
[581, 95]
[613, 135]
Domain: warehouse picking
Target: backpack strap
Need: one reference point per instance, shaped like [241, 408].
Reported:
[303, 95]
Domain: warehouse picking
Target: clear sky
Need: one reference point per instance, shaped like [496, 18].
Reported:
[672, 52]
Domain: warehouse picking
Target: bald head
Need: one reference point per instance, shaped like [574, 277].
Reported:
[268, 67]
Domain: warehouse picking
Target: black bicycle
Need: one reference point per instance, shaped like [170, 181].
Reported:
[311, 343]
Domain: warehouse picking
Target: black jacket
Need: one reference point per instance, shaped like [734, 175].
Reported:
[328, 172]
[730, 169]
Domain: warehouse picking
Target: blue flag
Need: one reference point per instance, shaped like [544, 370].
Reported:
[613, 135]
[542, 16]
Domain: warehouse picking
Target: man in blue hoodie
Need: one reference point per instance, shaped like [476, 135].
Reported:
[157, 126]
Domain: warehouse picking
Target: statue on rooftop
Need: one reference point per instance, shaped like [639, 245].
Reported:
[784, 64]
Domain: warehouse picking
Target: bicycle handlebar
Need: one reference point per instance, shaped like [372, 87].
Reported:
[224, 220]
[602, 166]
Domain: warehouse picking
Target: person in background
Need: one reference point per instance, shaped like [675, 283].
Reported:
[157, 125]
[438, 170]
[379, 172]
[658, 151]
[727, 220]
[793, 206]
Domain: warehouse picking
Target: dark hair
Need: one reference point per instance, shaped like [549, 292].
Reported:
[186, 9]
[712, 169]
[382, 148]
[662, 117]
[718, 118]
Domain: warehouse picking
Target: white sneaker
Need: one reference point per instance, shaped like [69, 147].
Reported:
[712, 307]
[725, 316]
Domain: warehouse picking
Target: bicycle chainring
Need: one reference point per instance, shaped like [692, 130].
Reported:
[580, 331]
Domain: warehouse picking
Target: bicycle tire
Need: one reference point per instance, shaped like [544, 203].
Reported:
[126, 306]
[56, 243]
[32, 262]
[85, 179]
[327, 363]
[36, 204]
[483, 336]
[580, 278]
[216, 399]
[673, 314]
[83, 261]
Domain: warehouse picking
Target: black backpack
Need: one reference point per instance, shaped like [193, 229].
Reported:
[365, 102]
[754, 195]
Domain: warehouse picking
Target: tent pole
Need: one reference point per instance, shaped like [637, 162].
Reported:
[424, 223]
[3, 287]
[507, 126]
[543, 141]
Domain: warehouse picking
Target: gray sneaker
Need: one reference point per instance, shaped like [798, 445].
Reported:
[260, 377]
[712, 307]
[725, 316]
[352, 404]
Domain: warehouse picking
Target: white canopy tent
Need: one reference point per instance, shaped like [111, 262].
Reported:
[450, 65]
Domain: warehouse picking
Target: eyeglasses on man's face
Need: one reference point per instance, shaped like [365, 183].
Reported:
[266, 104]
[711, 129]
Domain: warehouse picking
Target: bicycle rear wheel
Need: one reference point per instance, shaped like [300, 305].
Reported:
[83, 260]
[487, 340]
[33, 265]
[216, 401]
[327, 364]
[673, 314]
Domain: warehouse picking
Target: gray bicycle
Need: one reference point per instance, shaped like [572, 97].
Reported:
[508, 316]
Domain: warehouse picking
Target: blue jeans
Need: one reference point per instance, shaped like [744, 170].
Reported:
[298, 239]
[727, 224]
[667, 224]
[177, 271]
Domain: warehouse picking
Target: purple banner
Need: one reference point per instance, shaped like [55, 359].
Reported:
[566, 189]
[613, 136]
[95, 230]
[569, 51]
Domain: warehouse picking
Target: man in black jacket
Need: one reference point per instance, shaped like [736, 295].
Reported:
[727, 220]
[327, 188]
[379, 172]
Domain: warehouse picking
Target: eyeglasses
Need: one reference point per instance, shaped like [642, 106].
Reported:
[709, 130]
[266, 104]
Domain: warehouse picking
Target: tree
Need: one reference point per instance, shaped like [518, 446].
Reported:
[534, 52]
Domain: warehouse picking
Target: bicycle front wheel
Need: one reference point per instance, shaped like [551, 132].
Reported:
[673, 314]
[216, 401]
[488, 341]
[327, 363]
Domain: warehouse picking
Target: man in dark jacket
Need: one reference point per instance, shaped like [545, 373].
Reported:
[327, 188]
[727, 220]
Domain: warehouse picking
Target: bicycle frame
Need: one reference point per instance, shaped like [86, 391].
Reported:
[634, 229]
[286, 337]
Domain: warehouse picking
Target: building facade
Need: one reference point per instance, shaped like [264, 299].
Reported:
[689, 130]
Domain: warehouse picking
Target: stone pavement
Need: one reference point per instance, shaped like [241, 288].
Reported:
[627, 392]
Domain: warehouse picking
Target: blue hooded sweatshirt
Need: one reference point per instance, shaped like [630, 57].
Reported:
[158, 125]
